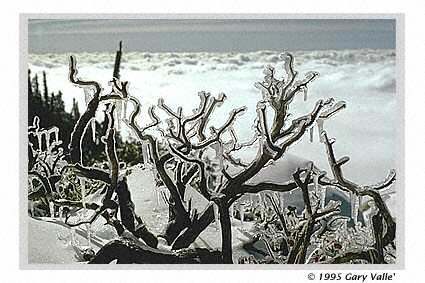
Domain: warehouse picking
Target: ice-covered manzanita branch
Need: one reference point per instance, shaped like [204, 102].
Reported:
[187, 142]
[383, 214]
[313, 214]
[277, 139]
[114, 184]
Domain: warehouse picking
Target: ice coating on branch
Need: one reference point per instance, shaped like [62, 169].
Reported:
[124, 109]
[35, 124]
[288, 62]
[160, 102]
[216, 216]
[88, 229]
[320, 129]
[83, 192]
[288, 68]
[333, 109]
[221, 98]
[218, 148]
[87, 95]
[145, 153]
[343, 160]
[309, 77]
[386, 183]
[232, 210]
[311, 132]
[93, 129]
[316, 183]
[323, 190]
[354, 206]
[356, 209]
[117, 113]
[30, 185]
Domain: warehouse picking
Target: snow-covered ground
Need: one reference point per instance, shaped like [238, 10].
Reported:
[49, 239]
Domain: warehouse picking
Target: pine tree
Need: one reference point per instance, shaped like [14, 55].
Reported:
[45, 91]
[36, 85]
[30, 94]
[60, 103]
[75, 112]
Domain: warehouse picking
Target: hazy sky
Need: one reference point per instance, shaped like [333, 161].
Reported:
[57, 36]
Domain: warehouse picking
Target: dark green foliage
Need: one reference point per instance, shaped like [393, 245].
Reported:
[51, 111]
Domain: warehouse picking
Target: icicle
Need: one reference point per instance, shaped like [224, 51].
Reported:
[320, 123]
[184, 168]
[175, 178]
[276, 194]
[316, 183]
[305, 94]
[118, 114]
[88, 228]
[220, 158]
[241, 211]
[218, 154]
[60, 212]
[149, 154]
[30, 185]
[311, 134]
[56, 131]
[47, 137]
[145, 153]
[87, 95]
[356, 208]
[124, 109]
[353, 204]
[52, 209]
[216, 217]
[39, 140]
[93, 129]
[48, 134]
[31, 204]
[156, 197]
[282, 201]
[231, 210]
[83, 193]
[323, 196]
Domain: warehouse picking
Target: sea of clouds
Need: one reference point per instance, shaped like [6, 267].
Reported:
[368, 130]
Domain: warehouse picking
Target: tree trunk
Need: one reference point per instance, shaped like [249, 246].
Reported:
[129, 217]
[189, 235]
[125, 251]
[176, 222]
[226, 233]
[378, 232]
